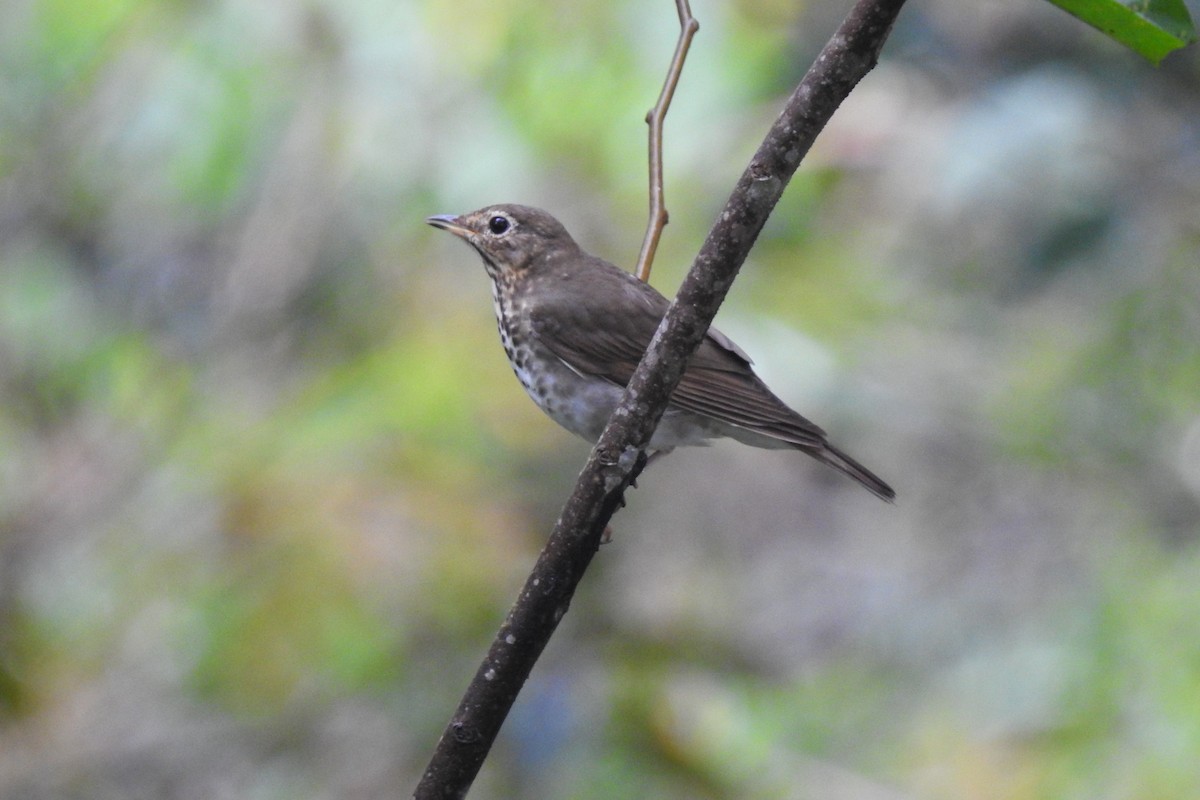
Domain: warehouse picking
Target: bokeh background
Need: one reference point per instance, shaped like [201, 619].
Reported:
[267, 485]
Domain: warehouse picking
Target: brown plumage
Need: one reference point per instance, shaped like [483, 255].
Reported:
[575, 327]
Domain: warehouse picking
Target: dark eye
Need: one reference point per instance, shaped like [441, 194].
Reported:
[498, 225]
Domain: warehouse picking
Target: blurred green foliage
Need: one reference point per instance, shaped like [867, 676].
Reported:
[268, 488]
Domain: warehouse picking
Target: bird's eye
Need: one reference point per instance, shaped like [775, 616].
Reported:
[498, 225]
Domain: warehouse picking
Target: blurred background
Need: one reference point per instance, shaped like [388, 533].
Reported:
[268, 486]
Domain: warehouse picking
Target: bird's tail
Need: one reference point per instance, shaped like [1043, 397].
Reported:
[843, 463]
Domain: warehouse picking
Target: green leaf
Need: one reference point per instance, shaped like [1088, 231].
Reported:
[1151, 28]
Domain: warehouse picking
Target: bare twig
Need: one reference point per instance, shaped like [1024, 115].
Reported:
[654, 118]
[619, 454]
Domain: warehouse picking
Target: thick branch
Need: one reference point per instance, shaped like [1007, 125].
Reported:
[619, 455]
[658, 205]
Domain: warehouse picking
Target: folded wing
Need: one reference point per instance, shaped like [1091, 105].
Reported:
[718, 382]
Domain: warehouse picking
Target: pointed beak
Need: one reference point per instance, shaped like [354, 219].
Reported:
[448, 222]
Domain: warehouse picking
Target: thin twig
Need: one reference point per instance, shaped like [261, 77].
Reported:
[654, 118]
[619, 455]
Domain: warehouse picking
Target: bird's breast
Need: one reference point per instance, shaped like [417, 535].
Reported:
[582, 404]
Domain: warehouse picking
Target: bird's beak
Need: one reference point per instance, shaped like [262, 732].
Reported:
[449, 222]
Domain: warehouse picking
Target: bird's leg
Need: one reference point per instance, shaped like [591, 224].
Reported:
[657, 454]
[650, 459]
[607, 536]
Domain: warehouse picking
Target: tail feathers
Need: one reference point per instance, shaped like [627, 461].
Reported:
[845, 464]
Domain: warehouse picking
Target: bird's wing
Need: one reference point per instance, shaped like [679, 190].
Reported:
[718, 383]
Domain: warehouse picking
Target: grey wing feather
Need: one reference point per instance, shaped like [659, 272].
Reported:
[718, 383]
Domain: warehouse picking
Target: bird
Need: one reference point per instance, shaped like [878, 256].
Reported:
[575, 326]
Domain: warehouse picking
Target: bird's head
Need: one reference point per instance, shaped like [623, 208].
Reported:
[510, 238]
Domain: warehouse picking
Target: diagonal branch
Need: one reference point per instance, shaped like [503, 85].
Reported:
[654, 118]
[619, 455]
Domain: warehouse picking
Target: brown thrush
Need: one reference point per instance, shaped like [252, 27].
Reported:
[575, 327]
